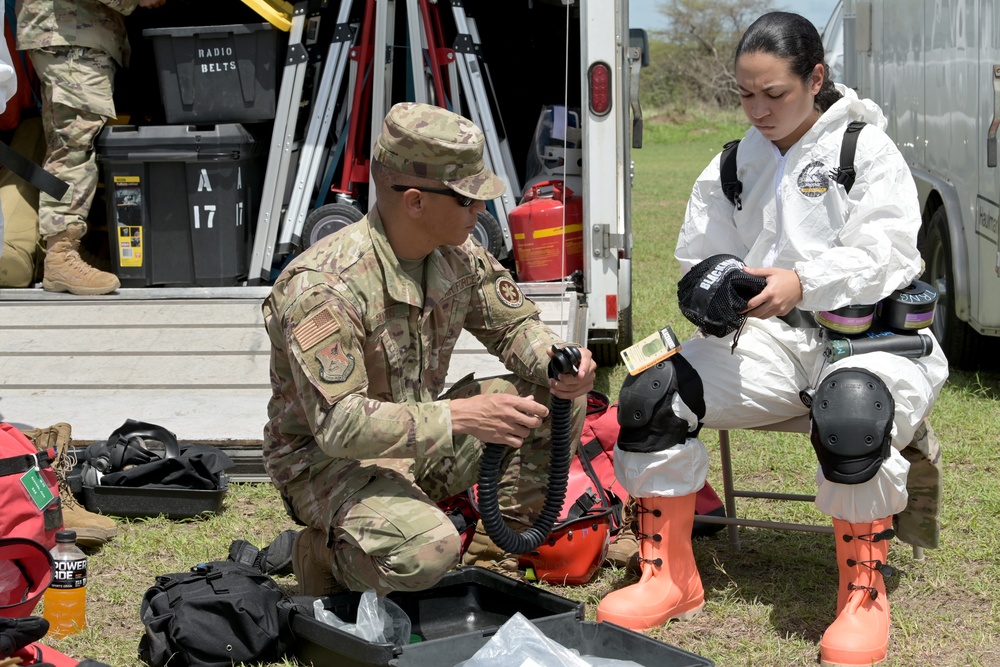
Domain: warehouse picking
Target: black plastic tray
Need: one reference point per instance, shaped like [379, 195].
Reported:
[601, 640]
[144, 501]
[140, 502]
[471, 602]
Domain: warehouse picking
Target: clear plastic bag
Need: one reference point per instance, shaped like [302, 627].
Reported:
[380, 620]
[11, 579]
[518, 643]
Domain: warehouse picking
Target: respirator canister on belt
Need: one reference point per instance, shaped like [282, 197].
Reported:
[897, 319]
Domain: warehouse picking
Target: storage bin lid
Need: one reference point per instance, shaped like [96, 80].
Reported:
[207, 30]
[167, 142]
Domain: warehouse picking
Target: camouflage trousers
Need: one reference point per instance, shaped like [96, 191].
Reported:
[77, 86]
[918, 524]
[390, 535]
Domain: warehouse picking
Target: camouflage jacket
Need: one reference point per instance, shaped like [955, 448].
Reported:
[94, 24]
[359, 355]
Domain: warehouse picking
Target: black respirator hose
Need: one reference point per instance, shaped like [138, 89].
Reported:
[565, 360]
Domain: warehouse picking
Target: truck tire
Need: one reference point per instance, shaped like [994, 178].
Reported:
[488, 233]
[609, 354]
[960, 342]
[327, 219]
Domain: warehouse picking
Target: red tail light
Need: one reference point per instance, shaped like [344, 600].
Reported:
[599, 77]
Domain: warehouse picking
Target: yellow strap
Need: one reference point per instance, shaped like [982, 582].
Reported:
[277, 12]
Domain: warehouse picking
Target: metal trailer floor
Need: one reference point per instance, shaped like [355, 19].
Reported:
[193, 360]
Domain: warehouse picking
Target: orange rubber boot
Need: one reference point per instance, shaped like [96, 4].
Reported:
[670, 586]
[860, 633]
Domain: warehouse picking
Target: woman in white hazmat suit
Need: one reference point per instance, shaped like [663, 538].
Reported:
[819, 249]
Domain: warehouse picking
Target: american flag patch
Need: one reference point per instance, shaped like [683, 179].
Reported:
[315, 328]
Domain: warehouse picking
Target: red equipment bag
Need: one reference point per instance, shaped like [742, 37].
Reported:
[595, 499]
[25, 572]
[29, 491]
[592, 512]
[40, 654]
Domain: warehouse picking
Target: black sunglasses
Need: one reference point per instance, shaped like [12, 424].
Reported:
[463, 200]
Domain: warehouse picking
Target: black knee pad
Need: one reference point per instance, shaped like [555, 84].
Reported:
[851, 432]
[645, 411]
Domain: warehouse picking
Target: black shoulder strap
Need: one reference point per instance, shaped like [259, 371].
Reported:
[31, 172]
[845, 174]
[731, 185]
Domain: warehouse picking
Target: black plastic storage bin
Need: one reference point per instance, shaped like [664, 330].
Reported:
[471, 601]
[181, 202]
[600, 640]
[216, 74]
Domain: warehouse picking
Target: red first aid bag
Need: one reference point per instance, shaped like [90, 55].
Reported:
[29, 491]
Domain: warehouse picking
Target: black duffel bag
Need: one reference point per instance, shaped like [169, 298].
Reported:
[219, 614]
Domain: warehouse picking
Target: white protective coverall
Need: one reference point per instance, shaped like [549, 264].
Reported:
[847, 249]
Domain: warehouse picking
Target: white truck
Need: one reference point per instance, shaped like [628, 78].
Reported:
[194, 359]
[934, 68]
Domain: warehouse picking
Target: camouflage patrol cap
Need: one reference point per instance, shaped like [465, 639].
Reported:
[430, 142]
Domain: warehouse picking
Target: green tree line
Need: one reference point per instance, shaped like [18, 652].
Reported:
[691, 61]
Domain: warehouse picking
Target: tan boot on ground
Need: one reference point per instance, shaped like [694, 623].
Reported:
[92, 530]
[311, 563]
[623, 552]
[65, 270]
[483, 552]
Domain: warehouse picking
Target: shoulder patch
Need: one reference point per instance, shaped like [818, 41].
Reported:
[315, 328]
[508, 292]
[335, 364]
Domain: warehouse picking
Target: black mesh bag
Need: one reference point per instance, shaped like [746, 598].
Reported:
[712, 294]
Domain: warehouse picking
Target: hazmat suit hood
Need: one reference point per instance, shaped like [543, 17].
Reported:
[855, 108]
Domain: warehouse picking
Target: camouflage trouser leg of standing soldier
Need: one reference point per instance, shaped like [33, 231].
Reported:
[77, 99]
[391, 535]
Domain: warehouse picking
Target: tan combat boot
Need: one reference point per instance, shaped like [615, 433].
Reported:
[312, 565]
[483, 552]
[92, 530]
[623, 552]
[66, 271]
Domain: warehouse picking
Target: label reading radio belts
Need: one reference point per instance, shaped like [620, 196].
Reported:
[651, 350]
[128, 219]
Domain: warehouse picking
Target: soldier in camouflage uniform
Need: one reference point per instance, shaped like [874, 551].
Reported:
[360, 442]
[75, 46]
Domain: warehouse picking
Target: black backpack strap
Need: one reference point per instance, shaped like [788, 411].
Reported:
[731, 185]
[32, 173]
[845, 174]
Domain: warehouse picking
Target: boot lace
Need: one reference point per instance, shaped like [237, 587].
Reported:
[875, 565]
[656, 537]
[886, 534]
[62, 467]
[78, 263]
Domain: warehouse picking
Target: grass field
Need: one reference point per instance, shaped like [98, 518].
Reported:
[767, 604]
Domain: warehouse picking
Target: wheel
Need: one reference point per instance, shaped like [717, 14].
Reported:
[327, 219]
[960, 342]
[488, 233]
[609, 354]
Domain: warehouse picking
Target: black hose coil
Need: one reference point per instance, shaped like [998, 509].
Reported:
[565, 360]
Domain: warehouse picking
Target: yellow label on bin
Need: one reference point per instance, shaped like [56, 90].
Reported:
[129, 246]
